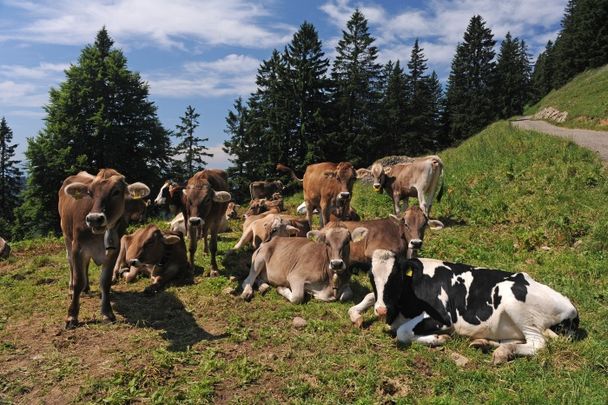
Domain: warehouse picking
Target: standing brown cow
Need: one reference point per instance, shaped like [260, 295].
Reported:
[327, 186]
[205, 202]
[91, 210]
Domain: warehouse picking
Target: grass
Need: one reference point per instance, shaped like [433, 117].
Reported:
[515, 200]
[585, 98]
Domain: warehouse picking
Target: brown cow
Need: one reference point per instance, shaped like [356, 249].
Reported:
[205, 202]
[162, 255]
[327, 186]
[177, 224]
[264, 188]
[260, 229]
[5, 249]
[316, 264]
[171, 195]
[415, 179]
[91, 209]
[258, 206]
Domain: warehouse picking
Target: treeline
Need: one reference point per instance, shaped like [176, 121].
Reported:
[581, 44]
[302, 112]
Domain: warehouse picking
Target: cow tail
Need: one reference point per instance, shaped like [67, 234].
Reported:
[440, 193]
[282, 168]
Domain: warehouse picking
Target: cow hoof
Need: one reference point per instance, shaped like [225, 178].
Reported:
[501, 355]
[246, 297]
[263, 289]
[480, 344]
[109, 318]
[358, 322]
[71, 324]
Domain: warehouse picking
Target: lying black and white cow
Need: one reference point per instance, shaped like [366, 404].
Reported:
[424, 299]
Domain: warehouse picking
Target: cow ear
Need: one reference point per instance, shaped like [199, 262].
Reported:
[387, 170]
[362, 173]
[316, 236]
[138, 190]
[77, 190]
[171, 239]
[329, 173]
[221, 196]
[358, 234]
[425, 290]
[292, 230]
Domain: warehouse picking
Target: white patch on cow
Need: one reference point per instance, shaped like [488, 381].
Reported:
[382, 266]
[160, 200]
[467, 278]
[443, 297]
[430, 265]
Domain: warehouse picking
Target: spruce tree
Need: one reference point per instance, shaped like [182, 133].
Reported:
[472, 82]
[356, 95]
[10, 179]
[100, 116]
[188, 154]
[392, 115]
[438, 136]
[542, 75]
[513, 77]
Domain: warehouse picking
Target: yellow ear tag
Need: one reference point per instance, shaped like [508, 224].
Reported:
[409, 273]
[136, 197]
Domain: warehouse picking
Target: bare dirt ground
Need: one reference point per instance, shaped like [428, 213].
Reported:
[597, 141]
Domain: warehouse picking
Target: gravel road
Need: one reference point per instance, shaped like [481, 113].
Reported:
[595, 140]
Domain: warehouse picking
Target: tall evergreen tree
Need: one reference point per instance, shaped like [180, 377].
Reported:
[470, 91]
[188, 154]
[100, 116]
[393, 118]
[542, 76]
[437, 136]
[10, 179]
[513, 77]
[356, 95]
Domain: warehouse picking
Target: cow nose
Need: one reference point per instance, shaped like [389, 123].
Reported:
[336, 264]
[376, 186]
[381, 312]
[134, 262]
[344, 195]
[416, 243]
[96, 220]
[195, 221]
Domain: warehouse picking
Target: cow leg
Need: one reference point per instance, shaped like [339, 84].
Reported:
[121, 261]
[346, 294]
[159, 282]
[86, 289]
[105, 280]
[309, 210]
[407, 335]
[396, 203]
[246, 237]
[295, 294]
[534, 342]
[424, 203]
[192, 241]
[258, 264]
[324, 214]
[213, 248]
[131, 274]
[205, 242]
[355, 312]
[77, 281]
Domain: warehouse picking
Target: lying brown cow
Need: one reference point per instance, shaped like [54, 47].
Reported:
[327, 186]
[162, 255]
[260, 230]
[415, 179]
[264, 188]
[205, 202]
[91, 209]
[316, 264]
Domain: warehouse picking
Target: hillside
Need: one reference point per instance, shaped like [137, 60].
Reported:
[515, 199]
[585, 98]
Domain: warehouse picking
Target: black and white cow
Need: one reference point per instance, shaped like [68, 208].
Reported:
[424, 299]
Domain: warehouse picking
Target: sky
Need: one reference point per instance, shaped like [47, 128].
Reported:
[205, 53]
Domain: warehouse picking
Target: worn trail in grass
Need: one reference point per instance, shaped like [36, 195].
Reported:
[515, 200]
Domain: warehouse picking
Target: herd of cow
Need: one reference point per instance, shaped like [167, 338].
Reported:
[423, 300]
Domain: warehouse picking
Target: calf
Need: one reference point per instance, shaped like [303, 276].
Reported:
[402, 181]
[259, 230]
[259, 206]
[386, 239]
[327, 186]
[149, 250]
[424, 298]
[205, 201]
[264, 188]
[316, 264]
[336, 214]
[91, 209]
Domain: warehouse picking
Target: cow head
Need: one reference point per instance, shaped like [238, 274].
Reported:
[337, 239]
[199, 198]
[344, 174]
[108, 190]
[148, 246]
[232, 210]
[412, 225]
[261, 205]
[163, 194]
[279, 227]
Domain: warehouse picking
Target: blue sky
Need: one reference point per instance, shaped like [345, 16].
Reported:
[205, 53]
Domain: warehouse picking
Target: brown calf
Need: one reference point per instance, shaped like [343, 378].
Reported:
[264, 188]
[162, 255]
[260, 229]
[91, 209]
[261, 205]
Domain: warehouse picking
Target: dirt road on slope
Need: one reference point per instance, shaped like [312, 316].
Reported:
[595, 140]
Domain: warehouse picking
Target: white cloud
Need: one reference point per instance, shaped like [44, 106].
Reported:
[212, 22]
[42, 71]
[219, 159]
[229, 64]
[13, 94]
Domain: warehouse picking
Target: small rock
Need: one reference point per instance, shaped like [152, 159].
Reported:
[299, 322]
[545, 248]
[459, 359]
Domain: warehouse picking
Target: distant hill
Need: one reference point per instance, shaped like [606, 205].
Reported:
[585, 98]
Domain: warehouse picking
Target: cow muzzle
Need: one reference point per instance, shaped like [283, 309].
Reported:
[195, 221]
[415, 244]
[160, 201]
[345, 195]
[381, 312]
[337, 264]
[97, 222]
[377, 187]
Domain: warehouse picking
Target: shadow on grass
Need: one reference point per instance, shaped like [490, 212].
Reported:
[237, 262]
[162, 311]
[451, 222]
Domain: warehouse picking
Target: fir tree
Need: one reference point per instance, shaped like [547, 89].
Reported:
[100, 116]
[10, 179]
[470, 91]
[438, 136]
[513, 77]
[393, 119]
[188, 155]
[542, 76]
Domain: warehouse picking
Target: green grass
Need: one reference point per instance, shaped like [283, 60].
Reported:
[515, 200]
[585, 98]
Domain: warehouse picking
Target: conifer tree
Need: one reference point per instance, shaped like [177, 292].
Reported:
[393, 118]
[513, 77]
[542, 75]
[437, 138]
[188, 155]
[470, 91]
[100, 116]
[10, 179]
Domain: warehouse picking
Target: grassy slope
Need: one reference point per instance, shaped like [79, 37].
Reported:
[515, 200]
[585, 98]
